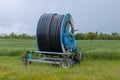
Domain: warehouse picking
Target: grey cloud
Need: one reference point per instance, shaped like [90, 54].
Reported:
[21, 16]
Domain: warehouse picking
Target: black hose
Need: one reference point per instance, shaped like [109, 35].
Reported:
[43, 32]
[55, 33]
[48, 32]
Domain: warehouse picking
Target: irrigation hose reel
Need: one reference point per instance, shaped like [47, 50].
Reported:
[55, 41]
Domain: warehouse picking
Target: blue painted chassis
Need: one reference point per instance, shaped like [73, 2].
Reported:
[46, 59]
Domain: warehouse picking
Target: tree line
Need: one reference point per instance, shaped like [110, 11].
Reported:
[16, 36]
[97, 36]
[78, 36]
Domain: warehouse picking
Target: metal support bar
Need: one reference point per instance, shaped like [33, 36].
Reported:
[50, 58]
[45, 52]
[30, 55]
[44, 61]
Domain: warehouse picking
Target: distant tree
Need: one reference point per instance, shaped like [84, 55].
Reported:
[79, 36]
[115, 36]
[96, 33]
[102, 36]
[12, 35]
[90, 36]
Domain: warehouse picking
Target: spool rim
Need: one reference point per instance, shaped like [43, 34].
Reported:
[67, 20]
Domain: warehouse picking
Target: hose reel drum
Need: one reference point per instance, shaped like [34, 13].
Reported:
[55, 33]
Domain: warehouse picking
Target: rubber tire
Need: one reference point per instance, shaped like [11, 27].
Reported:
[68, 61]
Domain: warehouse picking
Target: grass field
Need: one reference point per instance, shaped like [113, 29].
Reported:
[101, 62]
[16, 47]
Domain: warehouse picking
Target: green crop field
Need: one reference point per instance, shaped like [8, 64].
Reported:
[101, 62]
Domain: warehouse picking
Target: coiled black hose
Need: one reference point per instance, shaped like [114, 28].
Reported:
[48, 32]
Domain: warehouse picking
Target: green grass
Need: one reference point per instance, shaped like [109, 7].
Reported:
[100, 49]
[11, 68]
[101, 62]
[13, 47]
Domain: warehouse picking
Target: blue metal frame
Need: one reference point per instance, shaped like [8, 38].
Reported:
[30, 56]
[66, 40]
[50, 60]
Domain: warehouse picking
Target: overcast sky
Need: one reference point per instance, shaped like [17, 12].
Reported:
[21, 16]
